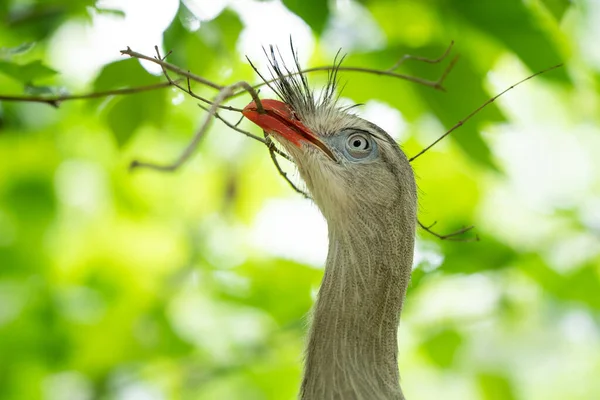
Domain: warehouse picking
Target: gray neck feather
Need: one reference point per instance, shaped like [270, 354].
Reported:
[352, 347]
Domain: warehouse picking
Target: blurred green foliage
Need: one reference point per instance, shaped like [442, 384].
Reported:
[124, 286]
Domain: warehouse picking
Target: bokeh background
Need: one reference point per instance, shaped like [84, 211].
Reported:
[196, 284]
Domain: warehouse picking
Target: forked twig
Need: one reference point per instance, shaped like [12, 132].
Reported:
[172, 68]
[266, 141]
[452, 236]
[187, 89]
[407, 57]
[224, 94]
[235, 127]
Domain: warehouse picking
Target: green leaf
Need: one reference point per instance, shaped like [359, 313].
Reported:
[495, 387]
[128, 113]
[26, 73]
[35, 90]
[110, 11]
[314, 12]
[512, 24]
[120, 74]
[124, 118]
[223, 32]
[557, 7]
[581, 286]
[188, 49]
[6, 52]
[32, 198]
[123, 73]
[281, 288]
[471, 257]
[441, 347]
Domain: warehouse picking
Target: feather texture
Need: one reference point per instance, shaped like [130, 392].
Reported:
[370, 208]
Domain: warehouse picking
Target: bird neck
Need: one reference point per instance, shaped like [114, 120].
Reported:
[352, 348]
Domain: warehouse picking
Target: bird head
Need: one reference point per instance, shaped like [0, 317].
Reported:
[351, 166]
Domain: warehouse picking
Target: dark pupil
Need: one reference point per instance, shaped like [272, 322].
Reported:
[356, 143]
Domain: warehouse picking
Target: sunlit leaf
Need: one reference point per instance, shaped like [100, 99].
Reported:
[12, 51]
[31, 198]
[123, 73]
[580, 286]
[495, 387]
[110, 11]
[281, 288]
[314, 12]
[471, 257]
[557, 7]
[223, 32]
[26, 73]
[512, 24]
[128, 113]
[35, 90]
[188, 48]
[441, 347]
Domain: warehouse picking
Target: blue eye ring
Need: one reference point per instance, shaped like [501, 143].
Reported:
[359, 145]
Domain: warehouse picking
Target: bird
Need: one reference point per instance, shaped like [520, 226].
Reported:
[363, 184]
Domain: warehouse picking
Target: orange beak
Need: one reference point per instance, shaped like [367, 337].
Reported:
[280, 119]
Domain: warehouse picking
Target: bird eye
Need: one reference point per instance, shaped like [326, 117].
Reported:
[358, 145]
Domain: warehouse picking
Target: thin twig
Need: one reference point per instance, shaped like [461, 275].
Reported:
[245, 133]
[234, 127]
[437, 84]
[239, 121]
[224, 94]
[272, 151]
[407, 57]
[450, 236]
[172, 68]
[189, 87]
[56, 100]
[491, 100]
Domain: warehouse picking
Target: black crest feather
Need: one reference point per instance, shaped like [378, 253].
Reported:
[291, 85]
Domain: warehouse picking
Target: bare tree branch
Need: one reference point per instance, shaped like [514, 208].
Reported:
[437, 84]
[56, 100]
